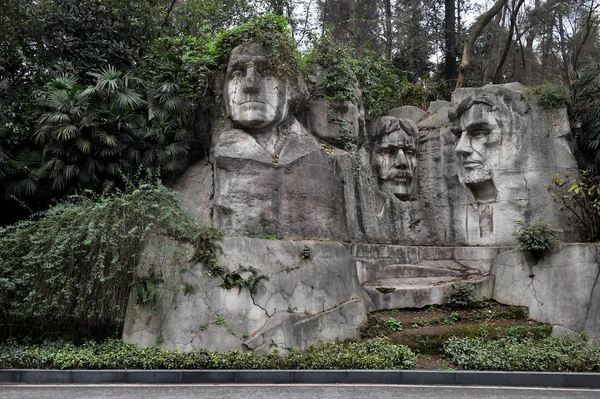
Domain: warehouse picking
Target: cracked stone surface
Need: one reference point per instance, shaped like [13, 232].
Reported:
[303, 301]
[561, 289]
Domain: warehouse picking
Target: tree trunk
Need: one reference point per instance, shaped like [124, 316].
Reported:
[450, 71]
[481, 23]
[388, 29]
[509, 42]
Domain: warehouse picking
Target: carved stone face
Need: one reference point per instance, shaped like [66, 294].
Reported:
[254, 97]
[480, 139]
[395, 158]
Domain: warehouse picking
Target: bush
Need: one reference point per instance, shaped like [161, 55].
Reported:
[537, 236]
[462, 295]
[517, 354]
[553, 96]
[75, 264]
[377, 353]
[582, 199]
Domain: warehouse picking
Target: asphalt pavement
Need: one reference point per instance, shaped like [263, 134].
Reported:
[286, 391]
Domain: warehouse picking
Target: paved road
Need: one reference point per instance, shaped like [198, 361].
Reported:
[284, 392]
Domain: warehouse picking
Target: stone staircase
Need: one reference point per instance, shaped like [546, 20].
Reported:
[413, 277]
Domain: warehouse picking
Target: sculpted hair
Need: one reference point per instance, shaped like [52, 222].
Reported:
[385, 125]
[501, 101]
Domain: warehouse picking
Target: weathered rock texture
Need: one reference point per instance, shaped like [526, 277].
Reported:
[562, 288]
[420, 211]
[311, 293]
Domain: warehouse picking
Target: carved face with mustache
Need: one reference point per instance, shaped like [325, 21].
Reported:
[395, 159]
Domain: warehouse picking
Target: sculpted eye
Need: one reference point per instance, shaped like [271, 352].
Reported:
[478, 133]
[386, 151]
[410, 152]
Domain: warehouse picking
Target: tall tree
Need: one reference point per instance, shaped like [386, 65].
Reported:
[481, 23]
[450, 70]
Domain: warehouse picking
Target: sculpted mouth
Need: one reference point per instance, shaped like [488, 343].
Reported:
[472, 165]
[252, 102]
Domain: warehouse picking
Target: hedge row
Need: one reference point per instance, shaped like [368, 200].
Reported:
[518, 354]
[377, 353]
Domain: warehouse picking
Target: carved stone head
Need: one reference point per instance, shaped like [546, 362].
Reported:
[489, 125]
[255, 98]
[394, 155]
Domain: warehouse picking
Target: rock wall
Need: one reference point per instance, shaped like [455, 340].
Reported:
[562, 288]
[310, 293]
[425, 200]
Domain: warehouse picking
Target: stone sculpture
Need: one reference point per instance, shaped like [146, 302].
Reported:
[268, 176]
[509, 148]
[490, 129]
[257, 103]
[394, 155]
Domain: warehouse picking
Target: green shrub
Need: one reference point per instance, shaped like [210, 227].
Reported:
[580, 196]
[517, 354]
[553, 96]
[462, 295]
[377, 353]
[537, 236]
[76, 263]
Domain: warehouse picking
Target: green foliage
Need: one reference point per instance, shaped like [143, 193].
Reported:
[394, 325]
[338, 80]
[76, 263]
[270, 237]
[242, 277]
[537, 236]
[206, 248]
[462, 295]
[376, 327]
[582, 199]
[113, 354]
[553, 96]
[421, 93]
[269, 30]
[518, 354]
[379, 82]
[585, 116]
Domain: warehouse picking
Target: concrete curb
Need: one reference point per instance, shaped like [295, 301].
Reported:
[412, 377]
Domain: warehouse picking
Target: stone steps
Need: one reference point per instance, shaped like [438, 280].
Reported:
[415, 285]
[417, 292]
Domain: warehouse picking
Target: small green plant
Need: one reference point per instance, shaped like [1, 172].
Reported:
[188, 289]
[394, 325]
[206, 249]
[306, 253]
[242, 277]
[535, 237]
[462, 295]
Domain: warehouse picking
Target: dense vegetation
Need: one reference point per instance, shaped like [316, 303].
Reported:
[92, 89]
[71, 269]
[518, 354]
[377, 353]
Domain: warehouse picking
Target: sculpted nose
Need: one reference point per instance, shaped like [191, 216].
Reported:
[400, 159]
[463, 147]
[250, 85]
